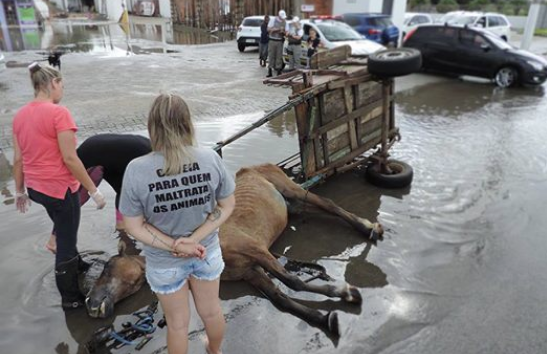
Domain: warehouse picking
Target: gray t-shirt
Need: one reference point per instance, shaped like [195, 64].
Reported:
[177, 204]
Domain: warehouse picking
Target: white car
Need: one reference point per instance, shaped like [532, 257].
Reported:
[248, 33]
[413, 20]
[334, 34]
[494, 23]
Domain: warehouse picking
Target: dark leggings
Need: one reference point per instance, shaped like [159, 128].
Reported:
[65, 215]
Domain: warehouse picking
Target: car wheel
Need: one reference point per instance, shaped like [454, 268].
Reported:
[395, 62]
[241, 47]
[506, 77]
[400, 177]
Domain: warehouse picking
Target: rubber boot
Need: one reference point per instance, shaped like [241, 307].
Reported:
[66, 278]
[270, 74]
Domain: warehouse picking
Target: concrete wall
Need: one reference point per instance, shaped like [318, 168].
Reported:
[345, 6]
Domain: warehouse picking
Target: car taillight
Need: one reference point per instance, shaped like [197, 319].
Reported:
[374, 31]
[409, 34]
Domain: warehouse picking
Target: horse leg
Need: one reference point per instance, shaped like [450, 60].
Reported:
[291, 190]
[346, 292]
[259, 279]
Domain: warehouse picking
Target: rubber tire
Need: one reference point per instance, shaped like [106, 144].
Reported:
[512, 83]
[395, 62]
[241, 47]
[401, 179]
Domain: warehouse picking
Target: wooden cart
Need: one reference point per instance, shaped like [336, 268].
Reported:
[344, 114]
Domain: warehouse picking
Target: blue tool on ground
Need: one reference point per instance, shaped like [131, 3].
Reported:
[138, 333]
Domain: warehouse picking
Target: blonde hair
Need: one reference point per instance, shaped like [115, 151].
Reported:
[42, 76]
[171, 131]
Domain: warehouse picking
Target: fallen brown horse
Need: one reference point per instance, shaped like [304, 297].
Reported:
[263, 194]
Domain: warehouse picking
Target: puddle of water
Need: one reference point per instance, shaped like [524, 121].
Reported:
[105, 37]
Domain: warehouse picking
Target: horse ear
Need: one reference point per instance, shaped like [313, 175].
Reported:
[122, 246]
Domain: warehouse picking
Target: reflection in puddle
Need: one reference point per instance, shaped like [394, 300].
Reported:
[140, 37]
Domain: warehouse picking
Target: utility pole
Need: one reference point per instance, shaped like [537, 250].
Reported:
[531, 21]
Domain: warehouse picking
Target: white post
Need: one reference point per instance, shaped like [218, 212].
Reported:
[530, 27]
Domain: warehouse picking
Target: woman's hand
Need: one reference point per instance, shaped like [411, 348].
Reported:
[186, 247]
[98, 198]
[22, 202]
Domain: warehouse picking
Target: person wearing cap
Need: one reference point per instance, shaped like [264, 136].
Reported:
[48, 171]
[294, 36]
[276, 29]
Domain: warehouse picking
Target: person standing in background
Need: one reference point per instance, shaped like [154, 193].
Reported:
[294, 36]
[314, 42]
[264, 39]
[46, 165]
[276, 29]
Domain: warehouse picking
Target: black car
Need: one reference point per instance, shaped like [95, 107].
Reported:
[475, 52]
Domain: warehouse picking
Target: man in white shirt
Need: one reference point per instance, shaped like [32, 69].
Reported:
[294, 35]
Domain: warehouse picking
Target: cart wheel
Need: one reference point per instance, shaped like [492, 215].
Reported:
[400, 178]
[395, 62]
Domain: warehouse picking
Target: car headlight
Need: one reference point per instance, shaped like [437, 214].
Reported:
[535, 65]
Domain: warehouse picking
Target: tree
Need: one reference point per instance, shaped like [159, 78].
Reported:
[447, 6]
[477, 5]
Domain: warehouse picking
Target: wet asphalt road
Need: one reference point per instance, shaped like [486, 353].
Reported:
[461, 268]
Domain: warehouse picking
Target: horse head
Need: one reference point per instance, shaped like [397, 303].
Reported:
[122, 276]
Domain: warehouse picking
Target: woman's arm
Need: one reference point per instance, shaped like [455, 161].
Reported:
[22, 201]
[18, 167]
[222, 212]
[137, 227]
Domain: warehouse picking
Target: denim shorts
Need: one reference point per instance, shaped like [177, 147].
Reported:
[169, 280]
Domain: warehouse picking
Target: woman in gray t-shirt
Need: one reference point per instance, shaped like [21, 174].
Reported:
[174, 201]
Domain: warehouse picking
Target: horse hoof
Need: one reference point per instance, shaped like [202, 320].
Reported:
[354, 296]
[332, 322]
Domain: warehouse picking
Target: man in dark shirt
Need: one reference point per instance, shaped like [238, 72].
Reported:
[264, 39]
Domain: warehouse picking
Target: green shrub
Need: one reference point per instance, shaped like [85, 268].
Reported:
[447, 6]
[542, 32]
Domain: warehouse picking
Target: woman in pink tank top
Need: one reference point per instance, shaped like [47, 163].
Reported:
[47, 170]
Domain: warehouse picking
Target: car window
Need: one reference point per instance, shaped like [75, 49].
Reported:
[464, 20]
[335, 33]
[352, 21]
[472, 39]
[380, 21]
[502, 21]
[425, 33]
[481, 22]
[252, 22]
[447, 33]
[492, 21]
